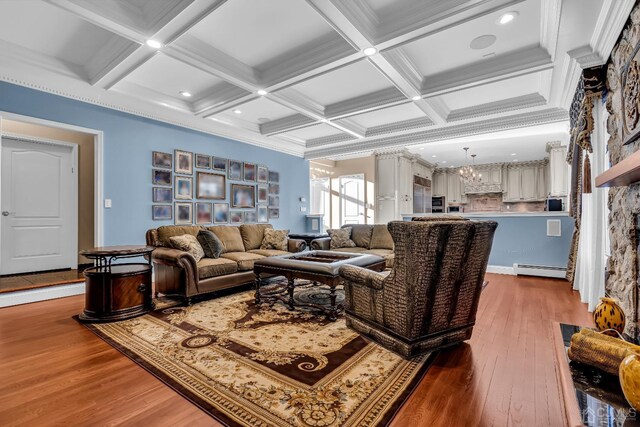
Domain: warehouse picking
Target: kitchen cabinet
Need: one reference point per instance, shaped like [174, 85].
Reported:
[558, 171]
[526, 182]
[439, 184]
[455, 194]
[490, 182]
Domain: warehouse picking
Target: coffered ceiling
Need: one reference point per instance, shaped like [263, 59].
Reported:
[293, 75]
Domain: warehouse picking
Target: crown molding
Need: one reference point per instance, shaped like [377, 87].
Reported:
[219, 98]
[114, 52]
[405, 125]
[513, 165]
[400, 61]
[512, 104]
[550, 14]
[363, 104]
[533, 118]
[286, 124]
[331, 139]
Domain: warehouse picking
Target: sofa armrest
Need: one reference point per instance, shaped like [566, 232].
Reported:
[363, 277]
[296, 245]
[180, 259]
[321, 244]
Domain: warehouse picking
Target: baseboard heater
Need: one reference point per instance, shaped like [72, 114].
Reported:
[539, 270]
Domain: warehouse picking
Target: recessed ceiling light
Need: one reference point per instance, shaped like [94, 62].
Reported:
[507, 18]
[444, 161]
[514, 160]
[422, 148]
[513, 154]
[434, 156]
[416, 98]
[324, 120]
[185, 93]
[262, 92]
[154, 44]
[370, 51]
[482, 42]
[237, 111]
[451, 166]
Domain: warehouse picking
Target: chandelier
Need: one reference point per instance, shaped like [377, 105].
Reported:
[467, 174]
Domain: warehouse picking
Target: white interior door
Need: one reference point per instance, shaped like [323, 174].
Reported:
[39, 207]
[352, 199]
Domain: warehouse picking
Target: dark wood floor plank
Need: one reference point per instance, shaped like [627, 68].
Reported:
[56, 372]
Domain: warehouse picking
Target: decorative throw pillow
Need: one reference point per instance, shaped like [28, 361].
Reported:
[188, 243]
[275, 239]
[341, 238]
[210, 243]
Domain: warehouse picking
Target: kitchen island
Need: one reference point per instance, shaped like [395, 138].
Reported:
[522, 238]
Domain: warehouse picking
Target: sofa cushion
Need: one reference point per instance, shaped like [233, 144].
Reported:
[361, 234]
[210, 243]
[252, 235]
[188, 243]
[381, 238]
[354, 250]
[437, 217]
[341, 238]
[275, 239]
[387, 254]
[209, 267]
[268, 252]
[244, 259]
[230, 237]
[167, 231]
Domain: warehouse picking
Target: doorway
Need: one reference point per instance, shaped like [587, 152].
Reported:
[39, 206]
[352, 199]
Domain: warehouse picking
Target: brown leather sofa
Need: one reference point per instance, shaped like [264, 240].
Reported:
[178, 274]
[373, 239]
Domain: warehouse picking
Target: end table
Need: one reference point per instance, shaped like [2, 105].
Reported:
[117, 291]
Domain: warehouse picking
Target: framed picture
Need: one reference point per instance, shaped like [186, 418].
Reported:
[162, 160]
[274, 176]
[184, 162]
[274, 201]
[249, 216]
[235, 170]
[219, 164]
[263, 193]
[162, 195]
[274, 188]
[162, 212]
[184, 213]
[203, 213]
[250, 172]
[220, 212]
[274, 213]
[235, 217]
[211, 186]
[161, 177]
[184, 187]
[243, 196]
[203, 161]
[263, 174]
[262, 213]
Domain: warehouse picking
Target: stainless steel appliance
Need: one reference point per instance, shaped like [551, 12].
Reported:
[437, 204]
[421, 195]
[455, 209]
[554, 204]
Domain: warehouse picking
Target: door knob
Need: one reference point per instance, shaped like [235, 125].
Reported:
[5, 213]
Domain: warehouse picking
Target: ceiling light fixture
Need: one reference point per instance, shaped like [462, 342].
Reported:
[370, 51]
[237, 111]
[507, 18]
[416, 98]
[262, 92]
[444, 161]
[467, 172]
[154, 44]
[513, 154]
[185, 93]
[434, 156]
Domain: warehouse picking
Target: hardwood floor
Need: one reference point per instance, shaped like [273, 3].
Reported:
[56, 372]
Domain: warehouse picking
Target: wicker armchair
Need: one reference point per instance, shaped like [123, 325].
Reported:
[430, 297]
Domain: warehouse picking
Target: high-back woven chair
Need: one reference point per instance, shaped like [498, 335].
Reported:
[430, 297]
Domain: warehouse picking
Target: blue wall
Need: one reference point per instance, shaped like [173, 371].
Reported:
[524, 240]
[128, 143]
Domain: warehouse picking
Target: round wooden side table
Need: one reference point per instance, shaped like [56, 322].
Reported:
[117, 291]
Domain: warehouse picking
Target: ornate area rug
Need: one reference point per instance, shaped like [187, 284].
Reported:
[263, 365]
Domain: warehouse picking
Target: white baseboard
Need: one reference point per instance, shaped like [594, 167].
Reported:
[500, 269]
[41, 294]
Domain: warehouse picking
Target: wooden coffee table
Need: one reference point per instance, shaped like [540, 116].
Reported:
[316, 266]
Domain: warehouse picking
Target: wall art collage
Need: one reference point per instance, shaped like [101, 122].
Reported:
[192, 188]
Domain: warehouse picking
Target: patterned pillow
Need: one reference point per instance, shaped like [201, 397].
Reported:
[341, 238]
[188, 243]
[210, 243]
[275, 239]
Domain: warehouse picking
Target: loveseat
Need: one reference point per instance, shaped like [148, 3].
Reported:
[369, 239]
[178, 274]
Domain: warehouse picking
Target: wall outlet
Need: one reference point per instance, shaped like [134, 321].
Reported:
[302, 199]
[107, 203]
[303, 208]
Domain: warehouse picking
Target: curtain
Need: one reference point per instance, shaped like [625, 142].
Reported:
[591, 251]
